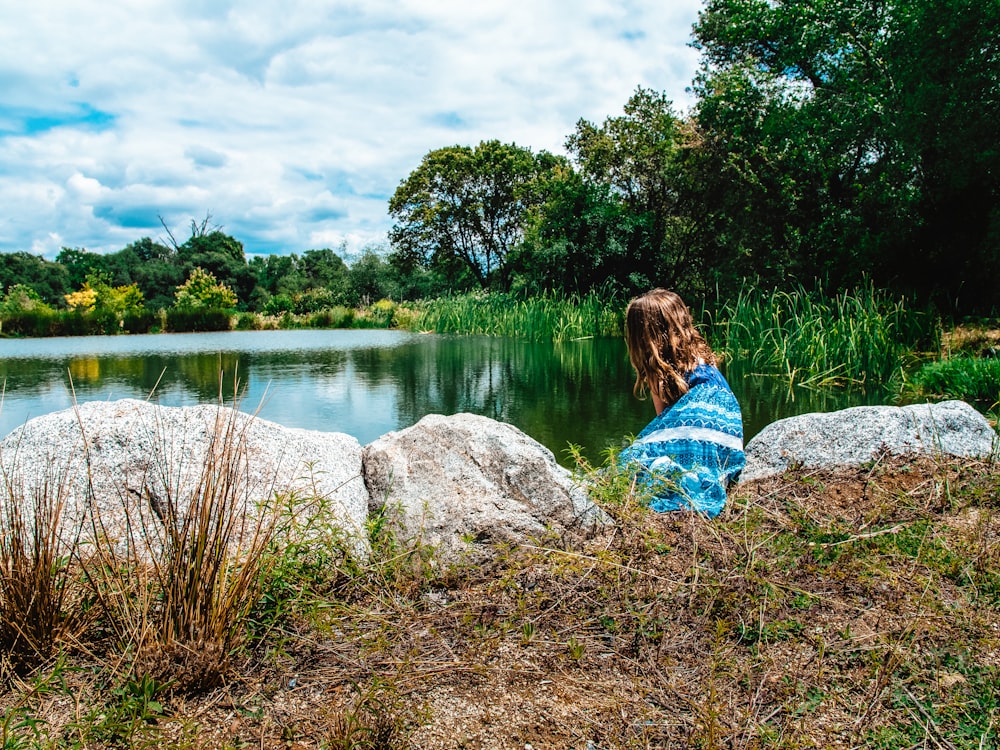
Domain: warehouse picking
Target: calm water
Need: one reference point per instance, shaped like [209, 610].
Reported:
[367, 383]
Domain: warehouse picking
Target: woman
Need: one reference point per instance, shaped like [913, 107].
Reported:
[693, 448]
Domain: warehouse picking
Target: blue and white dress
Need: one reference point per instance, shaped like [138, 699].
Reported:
[691, 451]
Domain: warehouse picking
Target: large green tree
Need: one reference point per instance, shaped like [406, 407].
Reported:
[47, 279]
[850, 137]
[222, 256]
[630, 217]
[463, 210]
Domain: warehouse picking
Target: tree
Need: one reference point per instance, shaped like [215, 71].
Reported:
[850, 137]
[463, 211]
[22, 299]
[79, 262]
[632, 165]
[156, 271]
[203, 290]
[577, 240]
[370, 278]
[107, 305]
[49, 280]
[220, 254]
[324, 268]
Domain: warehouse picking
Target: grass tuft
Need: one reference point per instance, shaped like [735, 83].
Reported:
[40, 609]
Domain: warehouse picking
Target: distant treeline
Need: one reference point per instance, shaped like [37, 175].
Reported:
[852, 142]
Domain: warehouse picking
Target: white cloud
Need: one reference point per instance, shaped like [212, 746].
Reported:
[293, 123]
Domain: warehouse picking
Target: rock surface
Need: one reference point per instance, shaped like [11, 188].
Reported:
[854, 436]
[463, 481]
[137, 453]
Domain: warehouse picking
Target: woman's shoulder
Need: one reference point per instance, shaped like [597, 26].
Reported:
[706, 374]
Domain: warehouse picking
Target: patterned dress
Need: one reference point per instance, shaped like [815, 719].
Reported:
[690, 452]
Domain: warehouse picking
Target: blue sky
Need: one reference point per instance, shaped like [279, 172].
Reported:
[293, 122]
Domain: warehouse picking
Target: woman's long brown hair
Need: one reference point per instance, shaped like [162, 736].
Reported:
[663, 344]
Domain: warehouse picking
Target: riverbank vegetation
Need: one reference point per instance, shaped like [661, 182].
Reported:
[851, 608]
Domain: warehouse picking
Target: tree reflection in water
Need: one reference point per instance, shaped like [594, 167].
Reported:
[366, 383]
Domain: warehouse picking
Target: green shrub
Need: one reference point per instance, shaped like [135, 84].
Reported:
[249, 321]
[331, 317]
[189, 319]
[967, 378]
[30, 323]
[140, 321]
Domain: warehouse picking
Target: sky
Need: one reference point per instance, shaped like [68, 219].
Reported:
[292, 122]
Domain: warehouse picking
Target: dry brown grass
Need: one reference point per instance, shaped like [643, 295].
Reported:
[829, 609]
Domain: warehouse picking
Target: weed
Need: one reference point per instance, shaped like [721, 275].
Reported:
[968, 378]
[182, 592]
[371, 721]
[39, 608]
[128, 717]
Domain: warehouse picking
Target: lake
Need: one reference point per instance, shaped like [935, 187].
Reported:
[369, 382]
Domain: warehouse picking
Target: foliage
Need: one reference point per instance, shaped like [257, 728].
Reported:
[104, 306]
[579, 240]
[32, 323]
[83, 300]
[21, 298]
[49, 280]
[636, 158]
[202, 290]
[191, 319]
[962, 377]
[370, 278]
[848, 138]
[811, 337]
[549, 318]
[463, 211]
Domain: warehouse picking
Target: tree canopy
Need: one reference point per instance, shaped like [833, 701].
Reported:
[462, 210]
[855, 137]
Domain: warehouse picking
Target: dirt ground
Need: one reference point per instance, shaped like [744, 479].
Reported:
[836, 609]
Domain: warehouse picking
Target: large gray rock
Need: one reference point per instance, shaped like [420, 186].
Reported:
[461, 482]
[115, 463]
[854, 436]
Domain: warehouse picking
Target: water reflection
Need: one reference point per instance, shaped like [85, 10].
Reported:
[367, 383]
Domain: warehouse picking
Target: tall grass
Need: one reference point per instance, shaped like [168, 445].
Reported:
[971, 378]
[549, 317]
[181, 589]
[863, 335]
[39, 606]
[169, 586]
[42, 323]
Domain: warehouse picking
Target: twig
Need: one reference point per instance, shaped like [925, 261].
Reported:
[894, 530]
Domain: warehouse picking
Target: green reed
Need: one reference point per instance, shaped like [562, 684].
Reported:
[858, 336]
[548, 317]
[969, 378]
